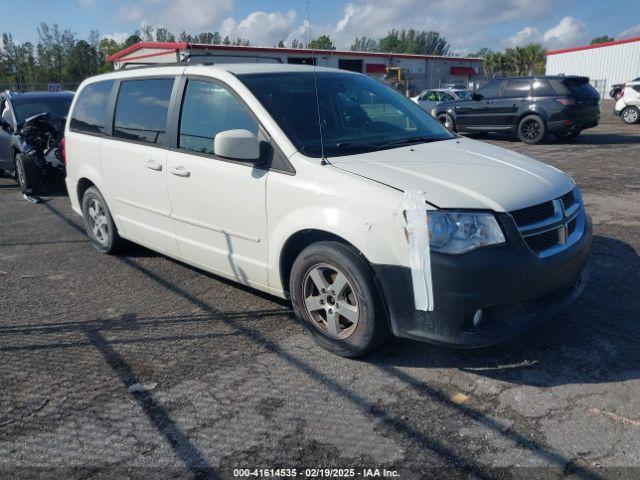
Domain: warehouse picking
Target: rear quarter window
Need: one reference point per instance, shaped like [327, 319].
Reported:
[90, 110]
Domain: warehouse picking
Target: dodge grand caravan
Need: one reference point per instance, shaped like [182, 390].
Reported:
[355, 203]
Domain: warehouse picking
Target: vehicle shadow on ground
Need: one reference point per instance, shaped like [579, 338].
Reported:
[594, 341]
[195, 462]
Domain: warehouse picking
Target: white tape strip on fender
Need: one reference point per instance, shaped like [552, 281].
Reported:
[419, 254]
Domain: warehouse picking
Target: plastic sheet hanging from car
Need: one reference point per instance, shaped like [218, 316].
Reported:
[417, 228]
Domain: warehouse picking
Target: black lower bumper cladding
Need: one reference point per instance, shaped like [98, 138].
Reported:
[514, 288]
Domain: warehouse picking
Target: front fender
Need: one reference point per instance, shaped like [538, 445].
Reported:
[364, 213]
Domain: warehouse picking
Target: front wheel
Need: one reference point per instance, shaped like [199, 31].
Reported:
[335, 298]
[99, 224]
[27, 174]
[447, 120]
[531, 129]
[630, 115]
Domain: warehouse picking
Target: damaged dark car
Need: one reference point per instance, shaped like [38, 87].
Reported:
[31, 138]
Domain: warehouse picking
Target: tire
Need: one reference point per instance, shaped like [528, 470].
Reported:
[531, 129]
[327, 265]
[27, 174]
[99, 224]
[445, 118]
[630, 115]
[568, 135]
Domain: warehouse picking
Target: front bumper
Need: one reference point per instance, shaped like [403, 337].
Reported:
[514, 287]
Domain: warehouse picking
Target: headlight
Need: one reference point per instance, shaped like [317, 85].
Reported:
[461, 232]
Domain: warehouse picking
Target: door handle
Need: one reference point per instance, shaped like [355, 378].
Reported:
[153, 165]
[180, 171]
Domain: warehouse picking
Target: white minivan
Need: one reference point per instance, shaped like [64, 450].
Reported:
[329, 188]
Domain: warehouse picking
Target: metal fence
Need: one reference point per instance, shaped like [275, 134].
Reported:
[600, 86]
[40, 87]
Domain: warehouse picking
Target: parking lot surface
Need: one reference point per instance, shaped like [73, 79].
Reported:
[139, 366]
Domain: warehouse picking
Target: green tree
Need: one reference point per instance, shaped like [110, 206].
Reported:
[280, 44]
[413, 41]
[131, 40]
[602, 39]
[364, 44]
[164, 35]
[82, 62]
[323, 42]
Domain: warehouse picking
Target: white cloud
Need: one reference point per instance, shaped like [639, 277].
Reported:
[118, 37]
[190, 15]
[630, 32]
[569, 32]
[86, 3]
[260, 27]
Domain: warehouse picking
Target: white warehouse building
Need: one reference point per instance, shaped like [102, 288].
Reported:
[422, 71]
[605, 63]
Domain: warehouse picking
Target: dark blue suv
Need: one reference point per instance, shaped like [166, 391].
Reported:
[17, 107]
[530, 107]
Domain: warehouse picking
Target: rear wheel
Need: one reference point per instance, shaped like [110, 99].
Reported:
[99, 224]
[27, 174]
[335, 298]
[630, 115]
[531, 129]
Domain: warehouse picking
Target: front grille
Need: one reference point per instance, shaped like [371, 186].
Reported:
[531, 215]
[567, 199]
[543, 241]
[551, 226]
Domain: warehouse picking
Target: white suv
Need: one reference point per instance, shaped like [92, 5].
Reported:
[356, 204]
[628, 105]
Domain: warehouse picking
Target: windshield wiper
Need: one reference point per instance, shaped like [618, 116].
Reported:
[411, 140]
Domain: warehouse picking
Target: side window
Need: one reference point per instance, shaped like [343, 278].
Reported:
[445, 97]
[491, 89]
[542, 88]
[208, 109]
[141, 110]
[637, 88]
[90, 111]
[516, 89]
[432, 97]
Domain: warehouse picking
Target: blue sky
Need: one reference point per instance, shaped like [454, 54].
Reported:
[467, 24]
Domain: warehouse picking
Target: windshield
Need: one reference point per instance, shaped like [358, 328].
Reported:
[25, 107]
[357, 113]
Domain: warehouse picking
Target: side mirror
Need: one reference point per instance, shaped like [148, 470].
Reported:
[5, 125]
[476, 96]
[240, 144]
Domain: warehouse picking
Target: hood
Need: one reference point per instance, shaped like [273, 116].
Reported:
[462, 173]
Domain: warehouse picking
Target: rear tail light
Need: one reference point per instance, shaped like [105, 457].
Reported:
[63, 149]
[566, 101]
[622, 91]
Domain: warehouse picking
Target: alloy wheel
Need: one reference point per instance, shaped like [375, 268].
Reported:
[98, 221]
[531, 129]
[330, 301]
[630, 115]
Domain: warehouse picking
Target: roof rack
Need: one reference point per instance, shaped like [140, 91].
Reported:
[187, 58]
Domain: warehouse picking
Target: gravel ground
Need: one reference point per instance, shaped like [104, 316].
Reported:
[138, 366]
